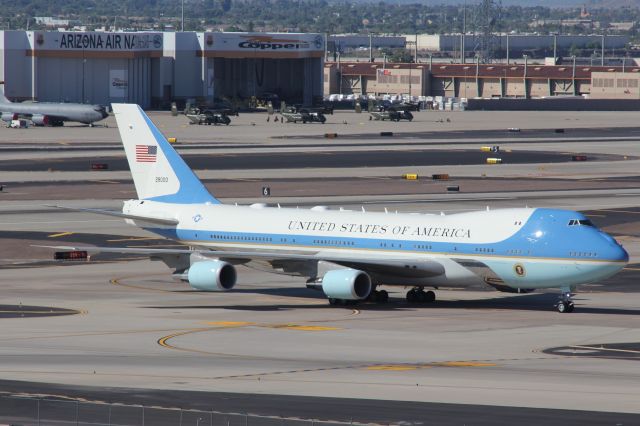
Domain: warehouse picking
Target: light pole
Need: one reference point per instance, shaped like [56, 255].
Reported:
[525, 75]
[339, 75]
[573, 76]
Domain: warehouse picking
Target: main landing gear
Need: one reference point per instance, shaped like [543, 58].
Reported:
[418, 295]
[379, 296]
[565, 304]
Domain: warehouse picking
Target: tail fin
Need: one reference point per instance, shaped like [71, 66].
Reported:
[159, 173]
[3, 98]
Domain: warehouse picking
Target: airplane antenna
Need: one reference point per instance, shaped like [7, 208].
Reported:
[441, 213]
[487, 208]
[385, 210]
[363, 211]
[278, 205]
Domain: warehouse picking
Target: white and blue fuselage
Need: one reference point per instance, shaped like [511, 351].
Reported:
[527, 248]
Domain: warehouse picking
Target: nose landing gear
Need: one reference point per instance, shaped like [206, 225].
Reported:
[565, 304]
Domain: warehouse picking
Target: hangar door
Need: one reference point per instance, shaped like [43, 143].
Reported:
[94, 80]
[293, 80]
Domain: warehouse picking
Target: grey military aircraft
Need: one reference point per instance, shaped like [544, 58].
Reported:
[51, 113]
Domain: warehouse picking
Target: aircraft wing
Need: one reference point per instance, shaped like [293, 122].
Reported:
[391, 266]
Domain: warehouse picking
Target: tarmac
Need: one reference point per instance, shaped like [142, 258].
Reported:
[121, 330]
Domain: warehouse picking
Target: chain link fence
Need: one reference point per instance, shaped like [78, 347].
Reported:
[28, 411]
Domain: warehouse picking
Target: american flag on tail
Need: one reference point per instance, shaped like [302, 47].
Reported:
[146, 153]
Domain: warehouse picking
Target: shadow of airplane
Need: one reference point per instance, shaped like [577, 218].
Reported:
[523, 302]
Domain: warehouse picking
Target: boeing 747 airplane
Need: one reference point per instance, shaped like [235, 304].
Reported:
[349, 255]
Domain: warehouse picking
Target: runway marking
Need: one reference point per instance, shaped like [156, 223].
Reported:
[230, 323]
[61, 234]
[596, 348]
[464, 364]
[394, 367]
[409, 367]
[302, 327]
[631, 269]
[106, 181]
[134, 239]
[116, 281]
[87, 334]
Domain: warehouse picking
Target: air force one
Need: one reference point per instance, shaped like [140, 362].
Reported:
[51, 113]
[350, 254]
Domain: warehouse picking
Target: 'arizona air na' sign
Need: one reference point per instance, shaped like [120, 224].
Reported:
[109, 41]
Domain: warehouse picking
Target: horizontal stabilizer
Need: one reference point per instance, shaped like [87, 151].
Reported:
[154, 220]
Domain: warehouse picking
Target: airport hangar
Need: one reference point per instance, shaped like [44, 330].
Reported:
[476, 80]
[155, 68]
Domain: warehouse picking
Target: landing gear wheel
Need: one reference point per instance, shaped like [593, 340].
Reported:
[430, 296]
[382, 296]
[412, 296]
[422, 296]
[333, 301]
[565, 307]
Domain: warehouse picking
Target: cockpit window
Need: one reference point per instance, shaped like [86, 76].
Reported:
[580, 222]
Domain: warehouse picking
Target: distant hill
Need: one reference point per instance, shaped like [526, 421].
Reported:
[604, 4]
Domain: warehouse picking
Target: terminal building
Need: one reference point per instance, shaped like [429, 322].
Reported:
[156, 68]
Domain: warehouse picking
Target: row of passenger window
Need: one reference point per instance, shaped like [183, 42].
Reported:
[484, 250]
[334, 242]
[391, 245]
[582, 254]
[517, 251]
[240, 238]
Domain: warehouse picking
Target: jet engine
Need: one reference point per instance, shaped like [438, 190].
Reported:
[9, 116]
[212, 275]
[40, 120]
[346, 284]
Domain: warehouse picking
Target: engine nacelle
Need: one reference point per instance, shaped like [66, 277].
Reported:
[40, 120]
[346, 284]
[9, 116]
[212, 275]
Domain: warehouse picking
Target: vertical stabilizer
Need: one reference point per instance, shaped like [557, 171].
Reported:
[3, 98]
[159, 173]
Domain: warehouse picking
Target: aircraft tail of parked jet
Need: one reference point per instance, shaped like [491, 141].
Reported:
[3, 98]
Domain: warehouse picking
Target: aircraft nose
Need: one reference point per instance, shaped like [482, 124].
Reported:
[102, 110]
[622, 254]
